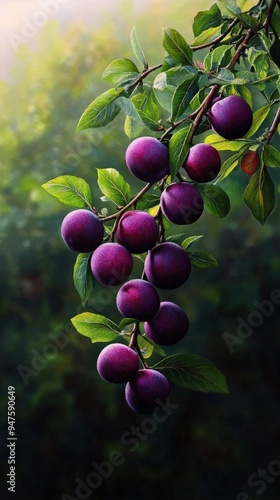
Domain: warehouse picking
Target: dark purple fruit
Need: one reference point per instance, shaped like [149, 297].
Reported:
[169, 326]
[203, 163]
[144, 391]
[137, 231]
[82, 231]
[181, 203]
[138, 299]
[230, 117]
[111, 264]
[117, 363]
[167, 266]
[147, 159]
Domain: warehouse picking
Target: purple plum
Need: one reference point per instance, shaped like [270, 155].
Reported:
[203, 163]
[143, 391]
[111, 264]
[181, 203]
[117, 363]
[82, 231]
[230, 117]
[138, 299]
[137, 231]
[169, 326]
[167, 266]
[147, 159]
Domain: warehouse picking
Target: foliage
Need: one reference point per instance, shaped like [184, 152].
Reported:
[242, 59]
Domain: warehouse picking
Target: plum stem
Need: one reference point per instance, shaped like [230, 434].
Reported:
[158, 216]
[134, 343]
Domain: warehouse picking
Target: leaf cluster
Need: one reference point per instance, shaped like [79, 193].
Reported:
[235, 51]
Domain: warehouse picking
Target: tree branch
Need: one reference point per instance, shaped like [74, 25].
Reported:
[132, 202]
[216, 40]
[273, 127]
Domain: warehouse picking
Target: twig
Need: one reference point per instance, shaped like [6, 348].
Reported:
[273, 127]
[132, 202]
[240, 49]
[269, 14]
[216, 40]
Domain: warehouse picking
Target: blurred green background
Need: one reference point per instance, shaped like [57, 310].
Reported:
[66, 417]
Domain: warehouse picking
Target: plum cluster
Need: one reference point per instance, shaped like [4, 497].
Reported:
[167, 265]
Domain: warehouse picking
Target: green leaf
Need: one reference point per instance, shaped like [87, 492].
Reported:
[70, 190]
[216, 201]
[259, 60]
[113, 185]
[101, 111]
[207, 19]
[203, 260]
[248, 21]
[183, 95]
[147, 107]
[271, 156]
[231, 6]
[208, 35]
[134, 124]
[146, 347]
[193, 372]
[258, 118]
[165, 96]
[126, 322]
[148, 200]
[191, 239]
[96, 327]
[176, 238]
[230, 164]
[226, 77]
[275, 20]
[259, 195]
[245, 5]
[215, 57]
[178, 150]
[121, 72]
[244, 91]
[156, 348]
[223, 144]
[177, 47]
[177, 75]
[138, 52]
[82, 276]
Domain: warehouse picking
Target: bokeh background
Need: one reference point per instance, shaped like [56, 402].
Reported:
[66, 417]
